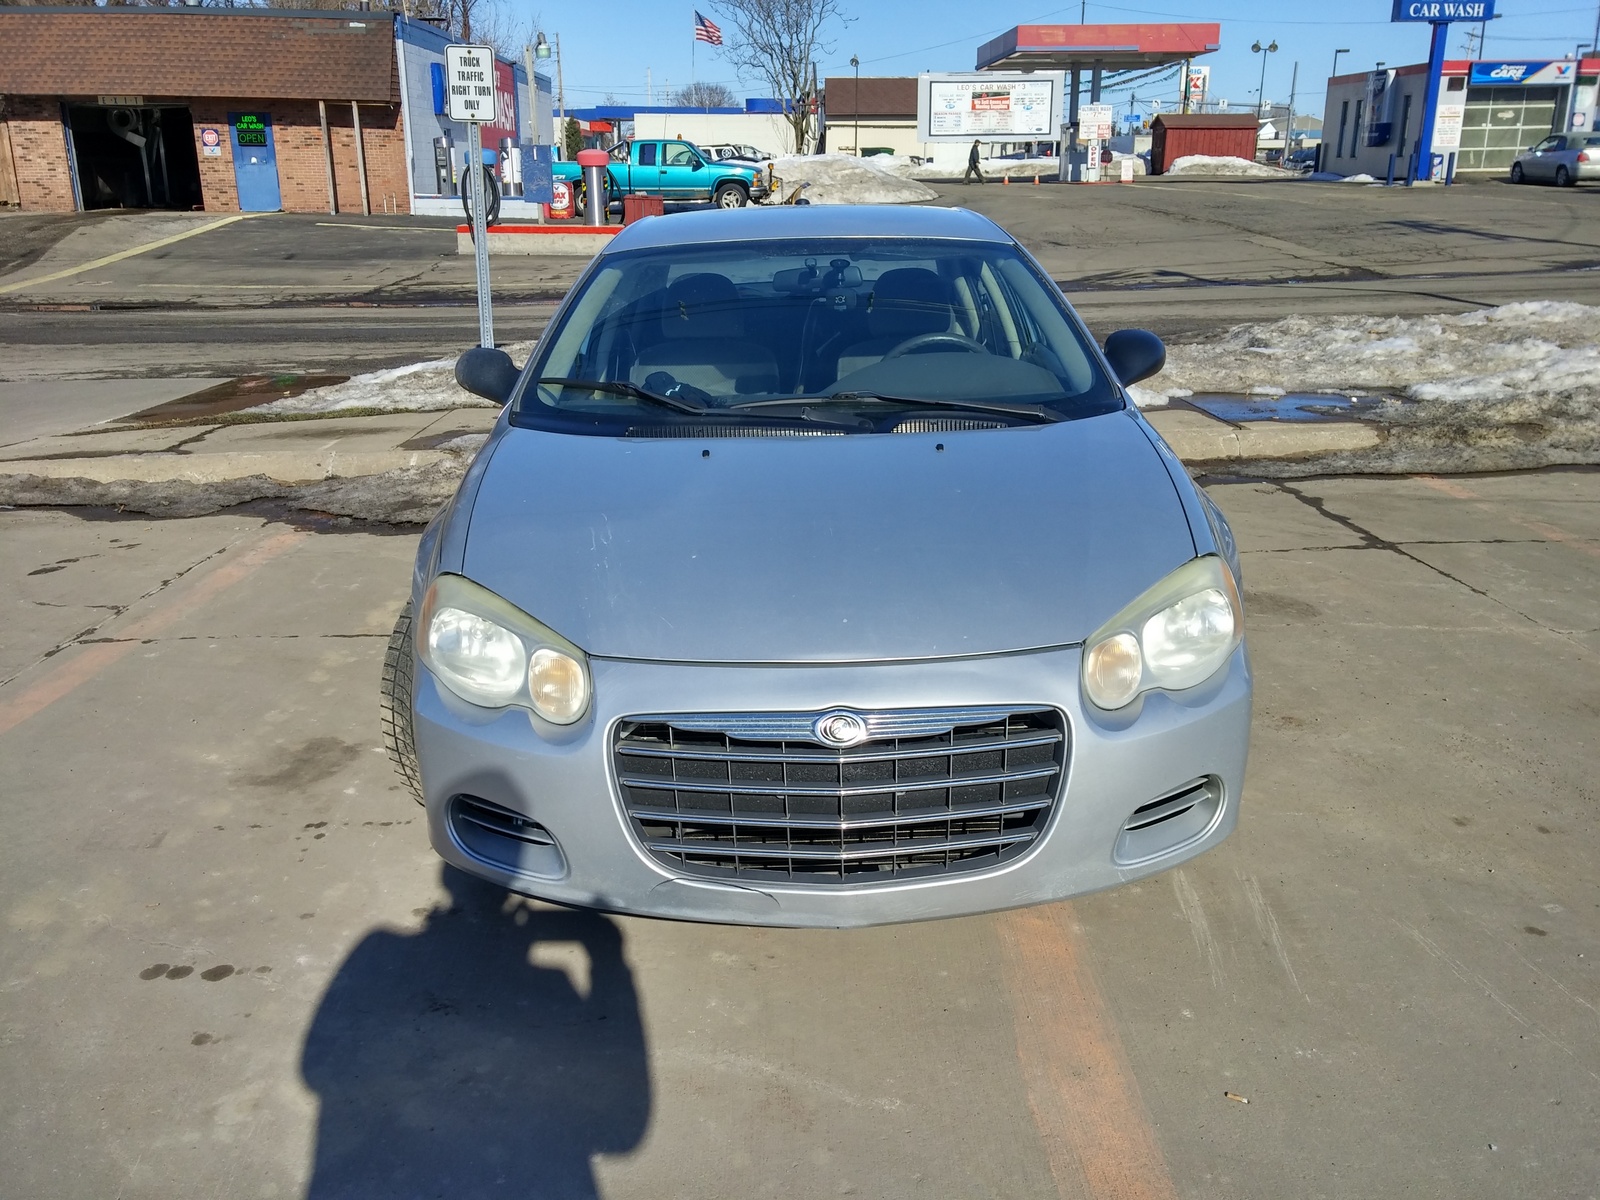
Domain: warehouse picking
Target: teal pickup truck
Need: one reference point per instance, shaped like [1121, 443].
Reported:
[673, 170]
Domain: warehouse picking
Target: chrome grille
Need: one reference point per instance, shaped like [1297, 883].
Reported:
[760, 796]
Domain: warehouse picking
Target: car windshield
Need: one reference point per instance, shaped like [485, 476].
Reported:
[839, 335]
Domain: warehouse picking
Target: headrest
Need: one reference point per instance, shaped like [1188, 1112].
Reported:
[909, 301]
[705, 305]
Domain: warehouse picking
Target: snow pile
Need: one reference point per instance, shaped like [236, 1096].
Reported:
[420, 387]
[993, 168]
[846, 179]
[1335, 177]
[1496, 389]
[1212, 164]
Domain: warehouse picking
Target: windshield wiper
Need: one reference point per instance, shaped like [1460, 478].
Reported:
[1037, 412]
[624, 388]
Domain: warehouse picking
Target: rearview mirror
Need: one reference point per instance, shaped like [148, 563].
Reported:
[488, 373]
[696, 165]
[1135, 354]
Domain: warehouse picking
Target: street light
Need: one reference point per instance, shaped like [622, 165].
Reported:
[1261, 92]
[1336, 54]
[541, 49]
[855, 99]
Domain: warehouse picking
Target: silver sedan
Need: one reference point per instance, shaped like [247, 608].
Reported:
[819, 572]
[1562, 159]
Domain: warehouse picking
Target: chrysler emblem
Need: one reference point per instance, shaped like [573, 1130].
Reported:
[840, 729]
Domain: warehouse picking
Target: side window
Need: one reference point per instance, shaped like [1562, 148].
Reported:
[647, 155]
[1551, 143]
[679, 155]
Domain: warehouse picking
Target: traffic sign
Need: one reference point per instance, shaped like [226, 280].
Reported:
[469, 84]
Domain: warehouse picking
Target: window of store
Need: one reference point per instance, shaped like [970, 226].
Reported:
[1344, 118]
[1500, 121]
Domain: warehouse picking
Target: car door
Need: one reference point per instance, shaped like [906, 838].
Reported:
[1541, 163]
[646, 175]
[684, 174]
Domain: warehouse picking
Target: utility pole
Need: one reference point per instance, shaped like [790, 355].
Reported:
[1288, 133]
[1183, 88]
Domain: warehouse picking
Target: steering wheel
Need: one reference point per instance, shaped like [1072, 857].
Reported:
[922, 341]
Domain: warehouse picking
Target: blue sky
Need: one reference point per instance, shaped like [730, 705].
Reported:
[608, 48]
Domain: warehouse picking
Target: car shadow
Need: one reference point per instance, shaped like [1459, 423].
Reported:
[448, 1063]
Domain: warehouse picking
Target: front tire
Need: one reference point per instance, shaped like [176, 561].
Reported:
[1516, 172]
[731, 195]
[394, 705]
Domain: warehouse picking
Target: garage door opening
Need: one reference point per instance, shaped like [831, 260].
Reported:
[135, 157]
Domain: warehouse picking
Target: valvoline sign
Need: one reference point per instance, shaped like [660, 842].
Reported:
[1443, 10]
[1521, 74]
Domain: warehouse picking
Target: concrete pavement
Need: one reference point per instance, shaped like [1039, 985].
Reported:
[232, 967]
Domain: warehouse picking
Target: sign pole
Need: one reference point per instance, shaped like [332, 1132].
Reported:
[471, 99]
[480, 236]
[1430, 102]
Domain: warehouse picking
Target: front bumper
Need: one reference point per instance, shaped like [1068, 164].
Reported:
[562, 778]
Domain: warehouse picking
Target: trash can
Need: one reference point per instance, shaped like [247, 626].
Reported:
[636, 208]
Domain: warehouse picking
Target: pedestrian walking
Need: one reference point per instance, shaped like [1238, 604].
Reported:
[972, 165]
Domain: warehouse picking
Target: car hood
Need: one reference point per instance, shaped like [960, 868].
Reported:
[827, 549]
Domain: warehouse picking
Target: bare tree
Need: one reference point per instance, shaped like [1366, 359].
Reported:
[779, 41]
[706, 95]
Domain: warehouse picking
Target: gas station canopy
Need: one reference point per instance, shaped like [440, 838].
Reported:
[1110, 47]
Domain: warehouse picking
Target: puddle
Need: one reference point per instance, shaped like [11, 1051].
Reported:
[244, 392]
[1296, 406]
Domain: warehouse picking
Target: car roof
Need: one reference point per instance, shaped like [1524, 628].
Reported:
[808, 221]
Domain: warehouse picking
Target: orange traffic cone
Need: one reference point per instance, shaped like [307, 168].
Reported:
[1035, 181]
[1005, 180]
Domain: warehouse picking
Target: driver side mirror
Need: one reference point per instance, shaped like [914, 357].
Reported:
[697, 165]
[1135, 354]
[488, 373]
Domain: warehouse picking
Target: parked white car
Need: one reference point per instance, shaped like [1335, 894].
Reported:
[1562, 159]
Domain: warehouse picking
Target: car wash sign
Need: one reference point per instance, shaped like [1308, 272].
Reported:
[469, 84]
[1440, 12]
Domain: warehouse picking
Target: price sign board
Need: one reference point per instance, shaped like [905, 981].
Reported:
[1095, 121]
[469, 84]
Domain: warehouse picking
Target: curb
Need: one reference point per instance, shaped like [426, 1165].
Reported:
[281, 466]
[1197, 438]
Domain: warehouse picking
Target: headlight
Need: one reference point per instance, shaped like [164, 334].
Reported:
[491, 653]
[1176, 635]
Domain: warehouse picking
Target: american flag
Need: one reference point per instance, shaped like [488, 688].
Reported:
[706, 31]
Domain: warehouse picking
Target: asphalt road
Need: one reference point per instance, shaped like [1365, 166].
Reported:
[232, 966]
[1183, 257]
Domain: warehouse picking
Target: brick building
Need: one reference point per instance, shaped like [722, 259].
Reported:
[226, 110]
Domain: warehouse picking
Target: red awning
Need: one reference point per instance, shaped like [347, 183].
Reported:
[1114, 47]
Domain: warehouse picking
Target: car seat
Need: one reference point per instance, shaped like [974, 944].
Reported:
[905, 303]
[703, 342]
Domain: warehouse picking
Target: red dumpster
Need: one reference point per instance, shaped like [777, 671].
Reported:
[636, 208]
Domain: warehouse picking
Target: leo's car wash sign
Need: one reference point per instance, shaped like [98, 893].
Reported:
[1440, 12]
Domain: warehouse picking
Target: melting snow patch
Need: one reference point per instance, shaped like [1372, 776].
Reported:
[845, 179]
[419, 387]
[1495, 389]
[1212, 164]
